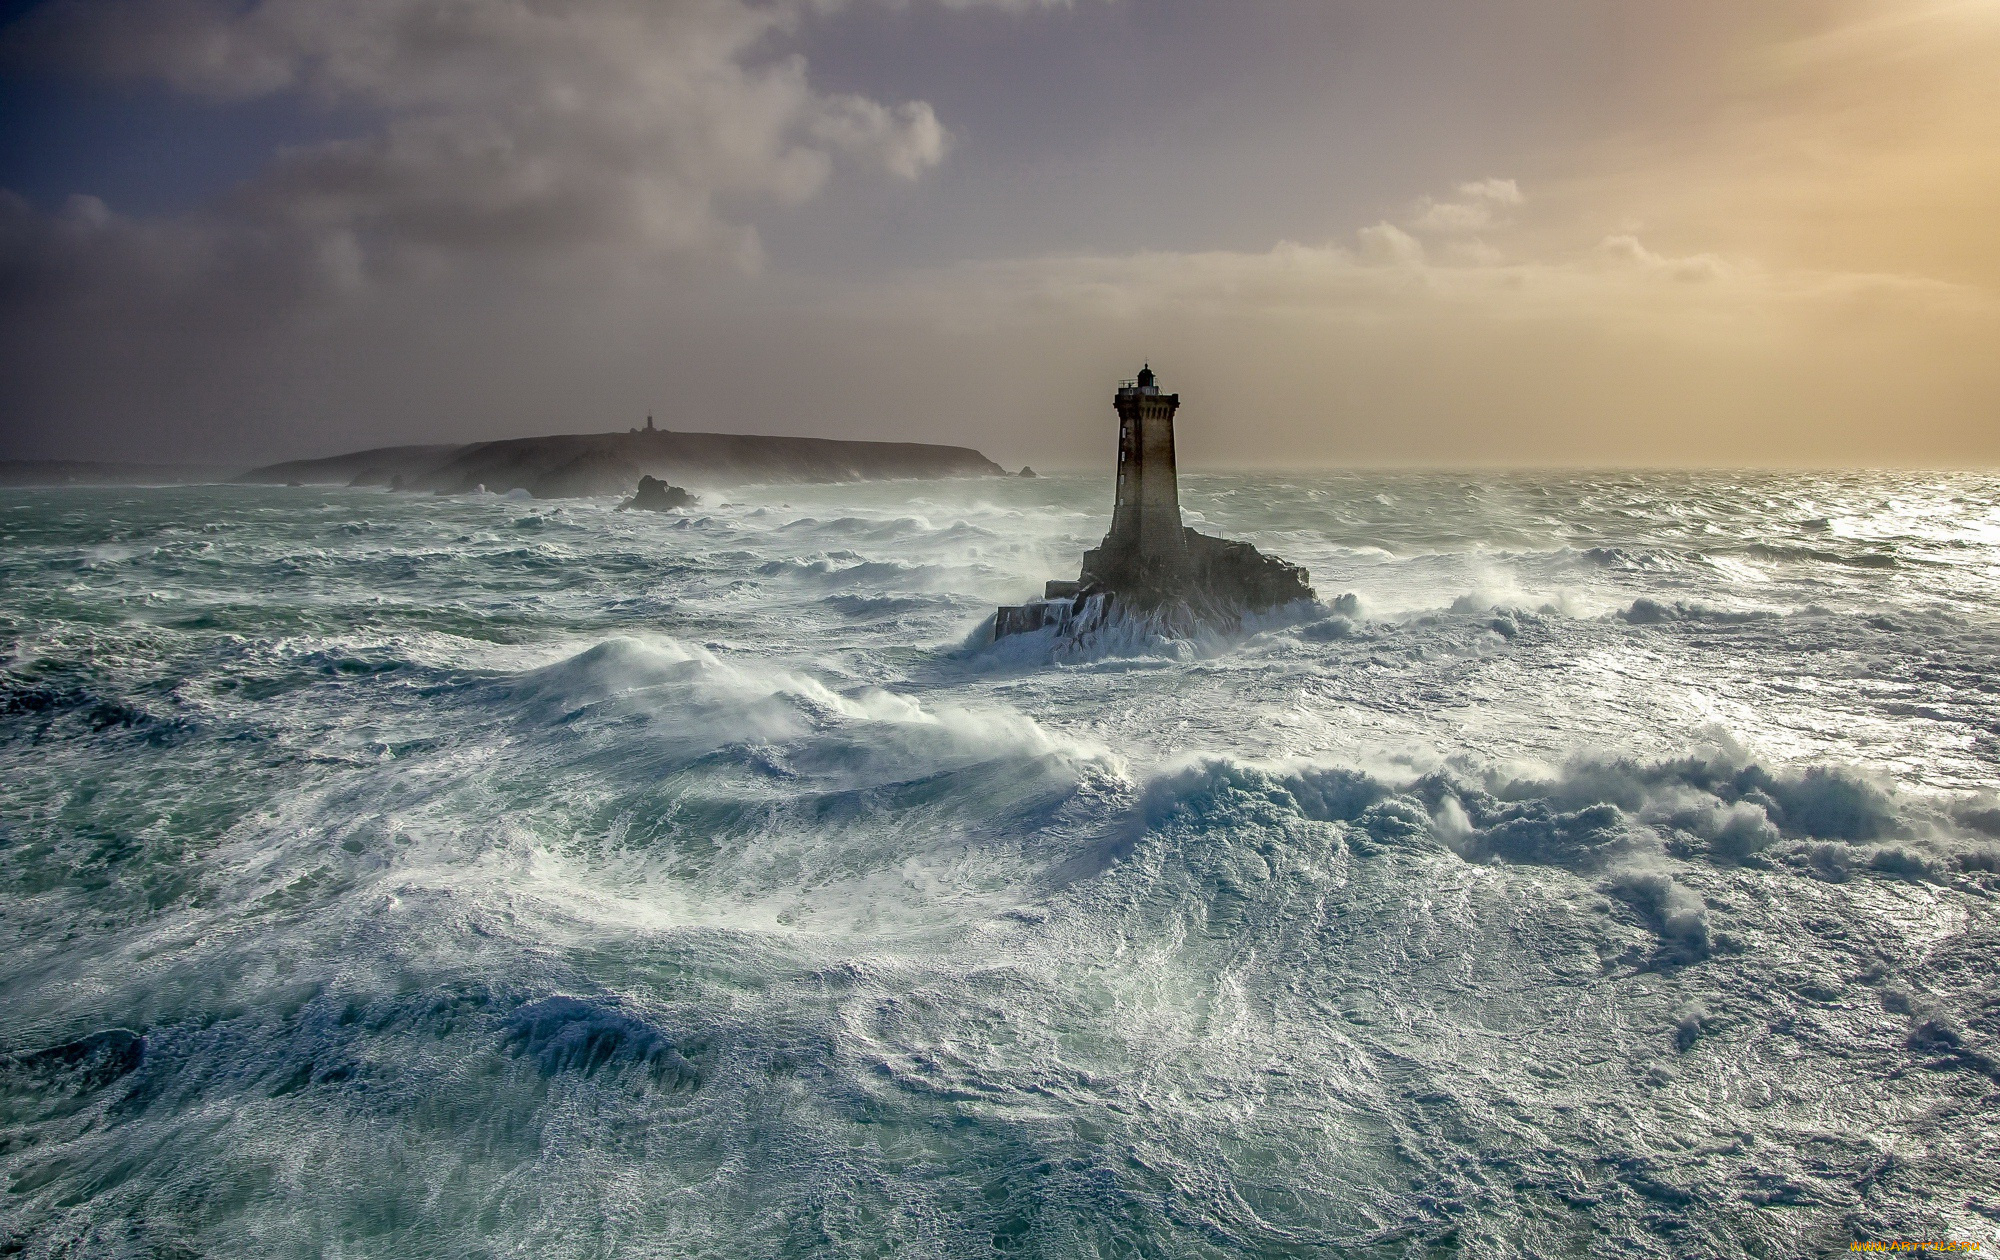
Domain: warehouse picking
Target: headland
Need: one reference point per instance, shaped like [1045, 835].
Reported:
[578, 465]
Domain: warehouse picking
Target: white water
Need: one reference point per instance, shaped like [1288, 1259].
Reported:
[1606, 868]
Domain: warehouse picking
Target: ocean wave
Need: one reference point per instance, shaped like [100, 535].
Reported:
[1788, 553]
[1596, 815]
[852, 571]
[1652, 612]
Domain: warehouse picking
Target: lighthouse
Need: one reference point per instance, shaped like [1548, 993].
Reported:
[1147, 546]
[1150, 564]
[1146, 516]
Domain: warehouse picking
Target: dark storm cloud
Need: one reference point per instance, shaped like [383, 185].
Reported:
[609, 133]
[505, 126]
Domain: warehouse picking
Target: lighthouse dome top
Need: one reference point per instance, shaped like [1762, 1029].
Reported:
[1140, 384]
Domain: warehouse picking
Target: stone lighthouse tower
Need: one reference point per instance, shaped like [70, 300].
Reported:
[1146, 542]
[1149, 563]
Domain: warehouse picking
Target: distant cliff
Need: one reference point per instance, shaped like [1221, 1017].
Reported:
[578, 464]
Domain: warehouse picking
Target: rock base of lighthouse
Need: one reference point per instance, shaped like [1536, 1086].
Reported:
[1217, 584]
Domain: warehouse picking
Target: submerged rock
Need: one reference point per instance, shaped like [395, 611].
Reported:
[655, 495]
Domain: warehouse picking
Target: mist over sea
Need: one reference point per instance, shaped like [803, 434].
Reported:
[1607, 867]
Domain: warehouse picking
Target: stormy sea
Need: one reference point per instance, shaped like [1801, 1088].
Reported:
[1605, 865]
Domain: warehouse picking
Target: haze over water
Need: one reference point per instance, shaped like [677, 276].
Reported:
[1607, 867]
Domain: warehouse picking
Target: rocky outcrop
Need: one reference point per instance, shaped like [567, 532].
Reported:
[1208, 574]
[655, 495]
[1214, 585]
[1230, 574]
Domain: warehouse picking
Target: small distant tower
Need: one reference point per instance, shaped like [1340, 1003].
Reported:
[1146, 534]
[649, 425]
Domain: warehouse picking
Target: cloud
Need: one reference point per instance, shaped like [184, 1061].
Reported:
[1551, 344]
[1503, 192]
[1627, 248]
[506, 127]
[1391, 275]
[1453, 216]
[1477, 207]
[1870, 143]
[906, 141]
[1387, 243]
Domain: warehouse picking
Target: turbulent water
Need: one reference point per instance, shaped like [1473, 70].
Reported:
[1608, 866]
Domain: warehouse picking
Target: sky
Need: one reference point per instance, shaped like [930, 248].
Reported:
[1348, 232]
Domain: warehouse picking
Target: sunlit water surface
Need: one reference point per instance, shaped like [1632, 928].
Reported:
[1612, 873]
